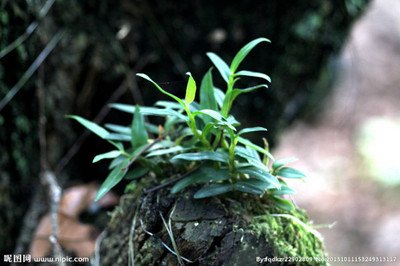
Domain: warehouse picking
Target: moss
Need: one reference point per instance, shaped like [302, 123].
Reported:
[289, 235]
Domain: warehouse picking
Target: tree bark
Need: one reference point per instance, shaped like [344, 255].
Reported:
[213, 231]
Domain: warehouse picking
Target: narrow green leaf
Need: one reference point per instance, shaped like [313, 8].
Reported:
[251, 129]
[253, 153]
[116, 161]
[282, 203]
[219, 97]
[127, 108]
[285, 190]
[190, 90]
[261, 174]
[162, 112]
[148, 111]
[166, 151]
[260, 184]
[253, 74]
[217, 156]
[207, 95]
[169, 104]
[288, 172]
[213, 190]
[222, 67]
[237, 92]
[246, 187]
[163, 144]
[136, 173]
[211, 113]
[281, 162]
[152, 128]
[232, 121]
[139, 133]
[244, 52]
[250, 157]
[201, 175]
[96, 129]
[117, 145]
[118, 137]
[119, 129]
[231, 96]
[112, 179]
[107, 155]
[249, 144]
[160, 89]
[251, 89]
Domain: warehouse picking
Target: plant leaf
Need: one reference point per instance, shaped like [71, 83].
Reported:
[112, 179]
[283, 203]
[281, 162]
[136, 173]
[244, 52]
[190, 90]
[119, 137]
[201, 175]
[288, 172]
[214, 114]
[213, 190]
[116, 161]
[166, 151]
[148, 110]
[222, 67]
[285, 190]
[169, 104]
[251, 89]
[236, 92]
[161, 145]
[262, 185]
[107, 155]
[207, 95]
[96, 129]
[232, 121]
[200, 156]
[253, 74]
[249, 144]
[160, 89]
[248, 187]
[152, 128]
[251, 129]
[219, 97]
[139, 133]
[250, 157]
[261, 174]
[118, 129]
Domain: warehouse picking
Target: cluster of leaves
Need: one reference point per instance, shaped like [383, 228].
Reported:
[201, 137]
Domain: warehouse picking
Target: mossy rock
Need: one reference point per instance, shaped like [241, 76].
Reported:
[215, 231]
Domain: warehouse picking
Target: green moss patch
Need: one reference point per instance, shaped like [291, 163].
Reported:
[290, 235]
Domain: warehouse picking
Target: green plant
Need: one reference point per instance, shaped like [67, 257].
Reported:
[201, 140]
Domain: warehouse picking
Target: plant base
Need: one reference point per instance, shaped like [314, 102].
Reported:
[214, 231]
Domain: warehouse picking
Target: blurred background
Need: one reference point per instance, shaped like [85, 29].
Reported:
[350, 153]
[333, 101]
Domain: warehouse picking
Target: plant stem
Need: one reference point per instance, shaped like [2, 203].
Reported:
[192, 125]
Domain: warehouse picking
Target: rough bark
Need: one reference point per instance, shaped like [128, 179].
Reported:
[214, 231]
